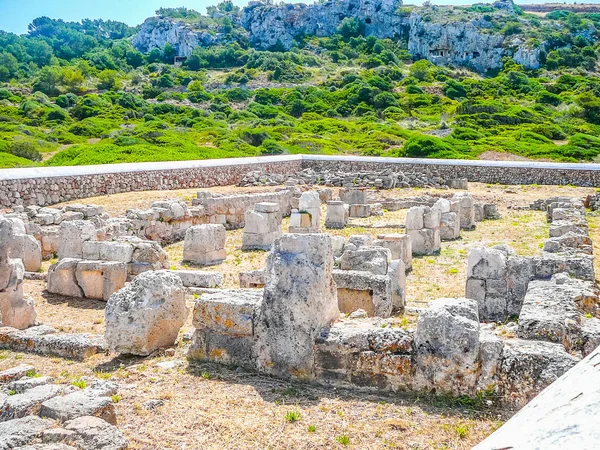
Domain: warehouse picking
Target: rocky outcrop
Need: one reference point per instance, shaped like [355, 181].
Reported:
[157, 31]
[271, 25]
[457, 43]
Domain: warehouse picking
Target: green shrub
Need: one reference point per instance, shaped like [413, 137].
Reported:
[25, 149]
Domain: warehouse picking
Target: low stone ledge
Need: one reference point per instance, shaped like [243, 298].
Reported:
[46, 341]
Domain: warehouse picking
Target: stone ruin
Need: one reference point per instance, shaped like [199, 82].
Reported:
[423, 228]
[384, 179]
[321, 309]
[554, 296]
[451, 351]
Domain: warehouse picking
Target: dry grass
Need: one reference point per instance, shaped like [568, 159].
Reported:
[213, 407]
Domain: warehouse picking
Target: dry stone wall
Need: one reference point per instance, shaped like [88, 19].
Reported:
[47, 186]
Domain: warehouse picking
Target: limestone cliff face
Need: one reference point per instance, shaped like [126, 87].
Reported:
[456, 43]
[156, 32]
[459, 42]
[270, 25]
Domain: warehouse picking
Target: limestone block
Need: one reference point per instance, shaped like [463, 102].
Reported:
[364, 290]
[62, 279]
[71, 237]
[146, 314]
[230, 311]
[467, 212]
[310, 202]
[16, 310]
[447, 347]
[252, 279]
[205, 244]
[397, 274]
[399, 245]
[32, 253]
[414, 218]
[484, 263]
[443, 205]
[100, 279]
[449, 226]
[337, 214]
[299, 300]
[369, 259]
[431, 217]
[490, 211]
[359, 211]
[199, 278]
[108, 251]
[478, 212]
[353, 196]
[425, 241]
[337, 243]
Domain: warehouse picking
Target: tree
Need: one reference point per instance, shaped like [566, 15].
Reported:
[169, 53]
[48, 81]
[8, 66]
[349, 27]
[422, 70]
[454, 89]
[72, 79]
[109, 80]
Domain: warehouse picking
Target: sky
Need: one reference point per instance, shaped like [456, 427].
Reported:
[15, 15]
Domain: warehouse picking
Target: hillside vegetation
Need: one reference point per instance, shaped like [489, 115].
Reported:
[80, 93]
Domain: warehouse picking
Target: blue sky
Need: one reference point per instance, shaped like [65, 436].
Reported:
[15, 15]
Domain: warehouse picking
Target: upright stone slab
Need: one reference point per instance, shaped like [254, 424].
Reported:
[300, 299]
[467, 210]
[354, 196]
[337, 214]
[310, 203]
[204, 245]
[449, 220]
[262, 226]
[16, 310]
[400, 246]
[72, 235]
[423, 227]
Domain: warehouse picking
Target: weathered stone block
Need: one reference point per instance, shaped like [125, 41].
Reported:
[205, 244]
[300, 299]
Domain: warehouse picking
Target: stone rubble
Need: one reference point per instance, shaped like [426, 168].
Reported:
[37, 414]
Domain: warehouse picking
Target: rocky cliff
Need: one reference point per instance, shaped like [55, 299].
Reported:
[456, 43]
[443, 35]
[271, 25]
[156, 32]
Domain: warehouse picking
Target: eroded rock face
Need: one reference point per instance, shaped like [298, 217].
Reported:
[146, 314]
[157, 31]
[300, 298]
[459, 43]
[271, 25]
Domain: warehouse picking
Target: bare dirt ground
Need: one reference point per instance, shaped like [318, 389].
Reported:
[212, 407]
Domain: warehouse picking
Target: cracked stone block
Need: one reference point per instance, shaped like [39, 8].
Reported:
[100, 279]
